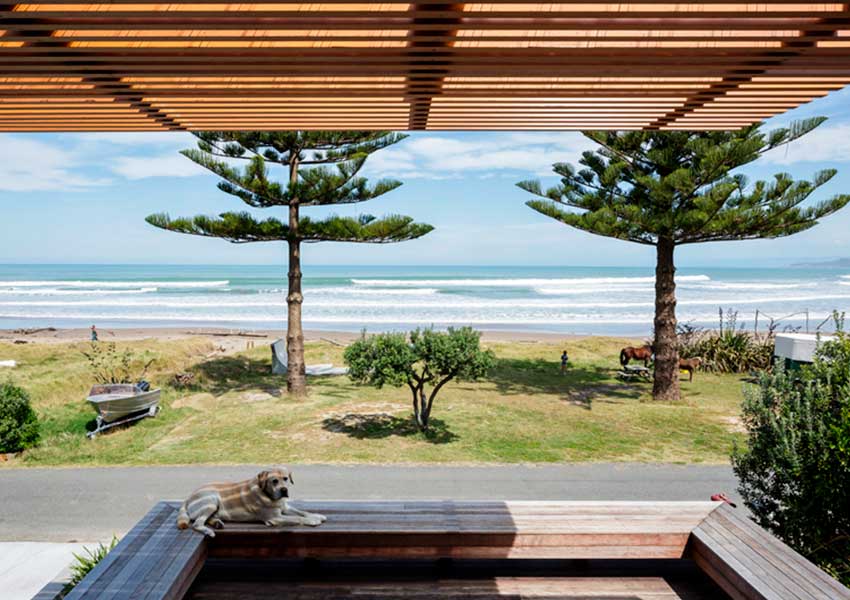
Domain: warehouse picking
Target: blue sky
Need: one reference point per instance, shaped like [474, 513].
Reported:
[82, 198]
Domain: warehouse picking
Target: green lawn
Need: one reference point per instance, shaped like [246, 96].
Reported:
[525, 411]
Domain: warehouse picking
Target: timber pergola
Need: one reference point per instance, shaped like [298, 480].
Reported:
[131, 65]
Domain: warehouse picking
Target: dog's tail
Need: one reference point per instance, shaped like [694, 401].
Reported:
[183, 519]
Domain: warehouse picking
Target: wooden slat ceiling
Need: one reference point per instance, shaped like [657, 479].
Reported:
[130, 65]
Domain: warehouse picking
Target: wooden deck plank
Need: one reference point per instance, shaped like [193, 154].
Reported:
[765, 561]
[119, 555]
[156, 561]
[137, 562]
[787, 557]
[144, 559]
[554, 588]
[749, 564]
[174, 581]
[474, 530]
[756, 572]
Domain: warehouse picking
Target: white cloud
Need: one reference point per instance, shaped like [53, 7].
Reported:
[177, 139]
[488, 154]
[78, 162]
[828, 143]
[165, 165]
[75, 162]
[28, 164]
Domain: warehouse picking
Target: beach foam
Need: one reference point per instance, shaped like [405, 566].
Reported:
[518, 283]
[113, 284]
[564, 299]
[55, 292]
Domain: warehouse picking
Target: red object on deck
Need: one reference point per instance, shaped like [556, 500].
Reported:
[723, 498]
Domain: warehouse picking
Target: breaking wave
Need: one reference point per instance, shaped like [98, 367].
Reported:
[55, 292]
[516, 283]
[114, 284]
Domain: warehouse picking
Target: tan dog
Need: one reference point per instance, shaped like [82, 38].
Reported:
[263, 498]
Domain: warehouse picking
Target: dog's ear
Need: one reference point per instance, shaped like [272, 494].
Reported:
[262, 477]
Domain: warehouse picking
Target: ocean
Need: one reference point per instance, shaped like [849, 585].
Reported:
[578, 300]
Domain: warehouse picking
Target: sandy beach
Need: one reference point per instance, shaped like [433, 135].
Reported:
[235, 339]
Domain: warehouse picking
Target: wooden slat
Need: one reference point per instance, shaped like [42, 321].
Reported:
[423, 45]
[475, 530]
[750, 564]
[156, 560]
[139, 561]
[553, 588]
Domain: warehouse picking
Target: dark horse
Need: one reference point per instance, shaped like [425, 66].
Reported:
[690, 365]
[643, 353]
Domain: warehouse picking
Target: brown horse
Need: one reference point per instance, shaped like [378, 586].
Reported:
[643, 353]
[690, 365]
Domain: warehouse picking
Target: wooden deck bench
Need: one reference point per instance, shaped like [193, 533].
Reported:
[157, 561]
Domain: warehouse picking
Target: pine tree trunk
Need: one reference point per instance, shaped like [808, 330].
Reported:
[666, 384]
[296, 379]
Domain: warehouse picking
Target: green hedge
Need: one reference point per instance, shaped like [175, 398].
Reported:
[19, 427]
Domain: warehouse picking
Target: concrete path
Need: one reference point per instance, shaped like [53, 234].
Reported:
[67, 505]
[26, 567]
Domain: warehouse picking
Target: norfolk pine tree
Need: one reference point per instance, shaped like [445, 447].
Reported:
[323, 169]
[670, 188]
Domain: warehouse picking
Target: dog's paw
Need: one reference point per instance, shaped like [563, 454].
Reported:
[312, 520]
[217, 524]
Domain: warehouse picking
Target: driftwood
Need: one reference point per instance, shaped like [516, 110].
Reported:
[31, 331]
[227, 334]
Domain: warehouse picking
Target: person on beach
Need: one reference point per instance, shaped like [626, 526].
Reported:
[564, 360]
[93, 333]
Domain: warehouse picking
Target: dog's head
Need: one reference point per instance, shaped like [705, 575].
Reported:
[275, 482]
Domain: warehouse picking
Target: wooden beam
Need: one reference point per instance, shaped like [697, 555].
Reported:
[144, 55]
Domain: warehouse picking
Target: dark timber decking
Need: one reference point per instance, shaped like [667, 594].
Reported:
[157, 561]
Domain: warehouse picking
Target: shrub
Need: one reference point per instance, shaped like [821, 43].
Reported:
[428, 357]
[84, 563]
[19, 427]
[108, 365]
[795, 469]
[729, 349]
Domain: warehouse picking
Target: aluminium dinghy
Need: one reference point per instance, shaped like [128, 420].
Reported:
[119, 403]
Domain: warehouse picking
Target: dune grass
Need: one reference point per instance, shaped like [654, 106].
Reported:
[234, 411]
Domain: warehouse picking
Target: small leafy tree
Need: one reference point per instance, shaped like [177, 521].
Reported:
[19, 426]
[670, 188]
[424, 358]
[322, 169]
[794, 470]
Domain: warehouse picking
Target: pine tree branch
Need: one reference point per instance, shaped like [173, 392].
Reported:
[237, 228]
[363, 229]
[682, 188]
